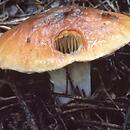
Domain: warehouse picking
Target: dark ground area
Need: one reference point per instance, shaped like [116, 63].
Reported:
[27, 101]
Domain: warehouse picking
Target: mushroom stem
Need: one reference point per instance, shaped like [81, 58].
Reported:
[79, 74]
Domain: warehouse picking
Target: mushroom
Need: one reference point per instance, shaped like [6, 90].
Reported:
[64, 40]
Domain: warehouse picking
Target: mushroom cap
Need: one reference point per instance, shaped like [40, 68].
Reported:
[34, 45]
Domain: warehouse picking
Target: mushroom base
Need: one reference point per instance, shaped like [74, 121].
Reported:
[73, 80]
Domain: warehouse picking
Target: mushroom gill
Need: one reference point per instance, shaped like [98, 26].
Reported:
[69, 42]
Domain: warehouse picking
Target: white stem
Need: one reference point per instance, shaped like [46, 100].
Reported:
[80, 76]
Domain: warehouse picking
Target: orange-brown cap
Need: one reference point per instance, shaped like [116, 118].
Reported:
[61, 36]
